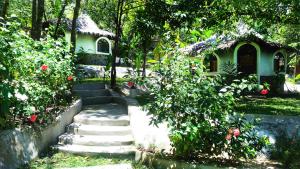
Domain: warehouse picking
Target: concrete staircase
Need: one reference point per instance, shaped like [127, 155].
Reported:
[101, 128]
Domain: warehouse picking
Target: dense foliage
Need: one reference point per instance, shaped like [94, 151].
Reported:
[200, 111]
[35, 76]
[287, 149]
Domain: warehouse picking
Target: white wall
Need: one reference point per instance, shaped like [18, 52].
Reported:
[86, 42]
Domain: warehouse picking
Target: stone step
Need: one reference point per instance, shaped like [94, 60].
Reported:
[97, 100]
[111, 114]
[92, 93]
[92, 140]
[98, 130]
[89, 86]
[103, 121]
[97, 150]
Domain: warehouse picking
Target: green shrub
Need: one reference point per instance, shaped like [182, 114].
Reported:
[287, 150]
[297, 78]
[200, 111]
[36, 76]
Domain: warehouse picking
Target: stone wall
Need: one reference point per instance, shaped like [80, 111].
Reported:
[18, 146]
[92, 59]
[146, 136]
[274, 126]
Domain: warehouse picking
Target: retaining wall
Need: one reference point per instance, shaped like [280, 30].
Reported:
[145, 135]
[276, 125]
[18, 146]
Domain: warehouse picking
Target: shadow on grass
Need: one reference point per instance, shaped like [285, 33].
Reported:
[270, 106]
[53, 159]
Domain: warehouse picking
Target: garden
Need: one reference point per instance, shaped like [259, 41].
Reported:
[36, 78]
[214, 76]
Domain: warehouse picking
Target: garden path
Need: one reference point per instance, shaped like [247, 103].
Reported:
[101, 128]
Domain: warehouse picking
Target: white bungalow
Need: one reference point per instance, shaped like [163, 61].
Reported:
[249, 53]
[93, 45]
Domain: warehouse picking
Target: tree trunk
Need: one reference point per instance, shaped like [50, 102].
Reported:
[118, 21]
[115, 52]
[33, 19]
[61, 13]
[5, 8]
[73, 31]
[39, 18]
[144, 61]
[38, 7]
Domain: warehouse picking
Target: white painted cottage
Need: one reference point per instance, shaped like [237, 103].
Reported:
[93, 45]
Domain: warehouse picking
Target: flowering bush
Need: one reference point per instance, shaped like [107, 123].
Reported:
[36, 76]
[200, 111]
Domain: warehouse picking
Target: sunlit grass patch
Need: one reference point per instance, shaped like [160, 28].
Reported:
[270, 106]
[65, 160]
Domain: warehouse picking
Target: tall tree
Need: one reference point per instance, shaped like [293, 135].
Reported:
[73, 31]
[60, 15]
[39, 18]
[5, 6]
[33, 18]
[118, 30]
[146, 31]
[38, 9]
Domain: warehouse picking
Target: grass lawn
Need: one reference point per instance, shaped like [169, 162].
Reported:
[270, 106]
[248, 105]
[65, 160]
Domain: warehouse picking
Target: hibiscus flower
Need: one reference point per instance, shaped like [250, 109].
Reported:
[33, 118]
[44, 67]
[70, 78]
[264, 92]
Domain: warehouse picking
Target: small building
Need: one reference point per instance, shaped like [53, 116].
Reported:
[248, 53]
[93, 45]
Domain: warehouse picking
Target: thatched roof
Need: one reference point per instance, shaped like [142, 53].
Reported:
[224, 43]
[85, 25]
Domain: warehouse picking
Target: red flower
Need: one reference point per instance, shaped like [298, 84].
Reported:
[264, 92]
[228, 137]
[236, 132]
[44, 67]
[33, 118]
[70, 78]
[130, 84]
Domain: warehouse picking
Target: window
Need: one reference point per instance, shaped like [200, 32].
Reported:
[279, 63]
[103, 46]
[211, 63]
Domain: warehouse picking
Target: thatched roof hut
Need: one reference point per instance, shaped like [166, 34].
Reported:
[226, 42]
[85, 25]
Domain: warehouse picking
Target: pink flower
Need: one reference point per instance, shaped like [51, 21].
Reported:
[44, 67]
[130, 84]
[236, 132]
[264, 92]
[228, 137]
[70, 78]
[33, 118]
